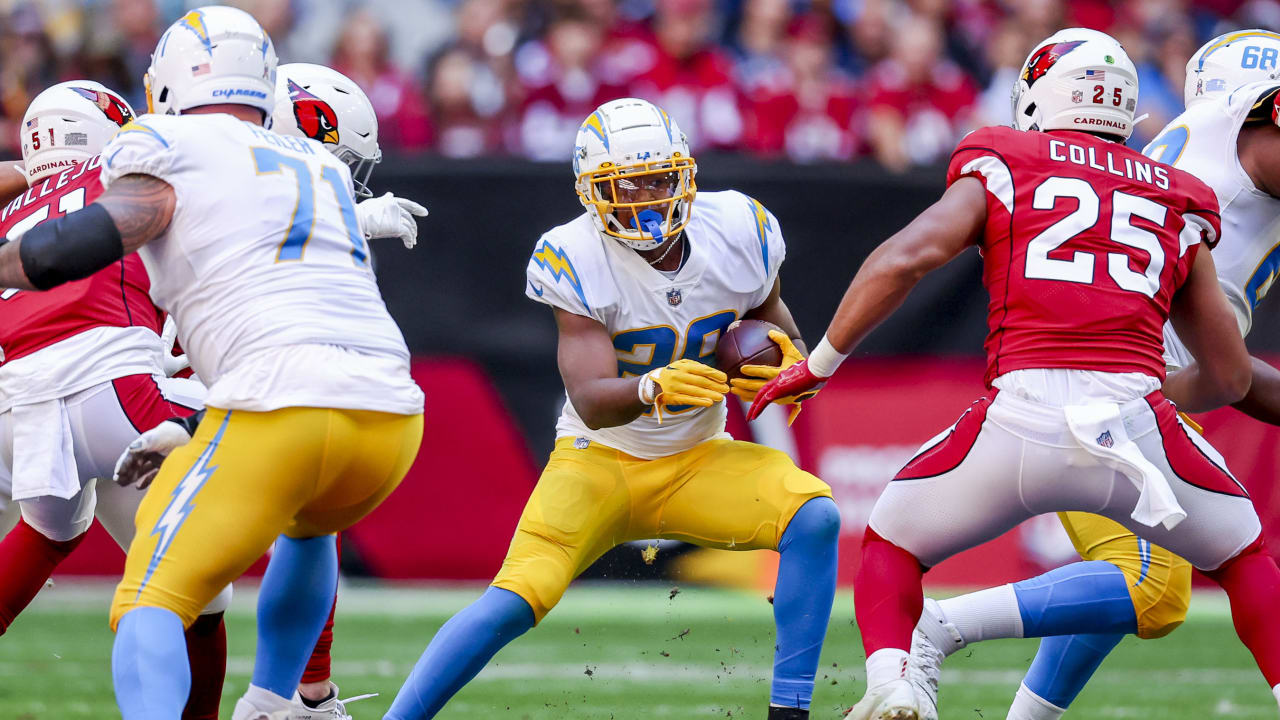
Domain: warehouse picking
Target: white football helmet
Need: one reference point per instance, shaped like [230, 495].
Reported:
[634, 174]
[323, 104]
[69, 123]
[1229, 61]
[211, 56]
[1077, 79]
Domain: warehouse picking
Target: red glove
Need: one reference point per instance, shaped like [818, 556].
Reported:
[794, 380]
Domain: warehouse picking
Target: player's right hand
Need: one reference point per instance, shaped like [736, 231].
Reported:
[793, 381]
[689, 382]
[140, 462]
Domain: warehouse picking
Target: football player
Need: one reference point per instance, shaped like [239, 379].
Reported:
[1218, 123]
[81, 372]
[312, 416]
[1088, 249]
[641, 286]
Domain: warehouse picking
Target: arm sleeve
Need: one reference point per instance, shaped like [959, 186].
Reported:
[552, 278]
[142, 147]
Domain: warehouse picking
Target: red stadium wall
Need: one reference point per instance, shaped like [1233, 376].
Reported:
[453, 516]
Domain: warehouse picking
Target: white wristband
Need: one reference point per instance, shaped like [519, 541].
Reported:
[824, 359]
[648, 389]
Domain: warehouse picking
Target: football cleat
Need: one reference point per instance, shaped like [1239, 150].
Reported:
[331, 709]
[246, 710]
[932, 641]
[894, 700]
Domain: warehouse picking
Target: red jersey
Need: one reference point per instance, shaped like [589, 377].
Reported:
[116, 296]
[1086, 242]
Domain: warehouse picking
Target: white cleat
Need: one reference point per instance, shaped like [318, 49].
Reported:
[331, 709]
[246, 710]
[934, 638]
[894, 700]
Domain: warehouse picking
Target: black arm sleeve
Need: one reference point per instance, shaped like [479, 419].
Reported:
[70, 248]
[189, 423]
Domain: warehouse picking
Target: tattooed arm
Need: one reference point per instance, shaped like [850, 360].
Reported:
[135, 210]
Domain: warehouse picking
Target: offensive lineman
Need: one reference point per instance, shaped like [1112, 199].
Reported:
[254, 247]
[1088, 249]
[642, 284]
[1220, 121]
[81, 371]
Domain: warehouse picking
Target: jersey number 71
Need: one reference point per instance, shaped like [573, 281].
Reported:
[268, 161]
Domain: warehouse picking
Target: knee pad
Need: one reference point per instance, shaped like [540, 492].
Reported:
[58, 519]
[219, 603]
[1161, 595]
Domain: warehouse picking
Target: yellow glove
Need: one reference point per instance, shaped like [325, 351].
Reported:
[683, 382]
[747, 387]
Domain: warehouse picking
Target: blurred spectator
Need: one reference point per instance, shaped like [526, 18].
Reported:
[27, 66]
[759, 47]
[362, 55]
[562, 84]
[869, 31]
[813, 117]
[466, 99]
[691, 78]
[920, 102]
[1006, 50]
[1161, 75]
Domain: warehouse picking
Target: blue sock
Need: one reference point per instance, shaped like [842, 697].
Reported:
[461, 648]
[1083, 597]
[293, 606]
[1064, 663]
[149, 665]
[802, 599]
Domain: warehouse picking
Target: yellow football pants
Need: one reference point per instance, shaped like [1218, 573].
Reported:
[1159, 581]
[720, 494]
[221, 500]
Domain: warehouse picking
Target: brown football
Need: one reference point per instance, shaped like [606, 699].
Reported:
[746, 342]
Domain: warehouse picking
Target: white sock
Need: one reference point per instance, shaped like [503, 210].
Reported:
[1029, 706]
[1276, 691]
[265, 700]
[985, 615]
[886, 664]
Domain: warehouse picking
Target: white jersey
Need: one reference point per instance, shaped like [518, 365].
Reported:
[264, 267]
[735, 249]
[1202, 141]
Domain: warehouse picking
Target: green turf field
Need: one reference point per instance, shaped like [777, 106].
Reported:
[630, 653]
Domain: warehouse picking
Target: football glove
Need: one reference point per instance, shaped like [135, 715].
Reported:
[747, 387]
[140, 462]
[390, 216]
[683, 382]
[173, 364]
[794, 384]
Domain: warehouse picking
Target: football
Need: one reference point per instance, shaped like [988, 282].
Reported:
[746, 342]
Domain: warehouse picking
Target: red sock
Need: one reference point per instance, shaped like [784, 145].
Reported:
[887, 597]
[318, 666]
[1252, 582]
[207, 655]
[27, 559]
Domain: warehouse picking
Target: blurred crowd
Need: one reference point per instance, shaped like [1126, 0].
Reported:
[809, 80]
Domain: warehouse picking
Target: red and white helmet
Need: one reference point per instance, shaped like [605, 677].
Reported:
[323, 104]
[69, 123]
[1077, 79]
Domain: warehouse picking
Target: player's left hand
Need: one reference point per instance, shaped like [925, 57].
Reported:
[390, 216]
[140, 462]
[791, 385]
[747, 388]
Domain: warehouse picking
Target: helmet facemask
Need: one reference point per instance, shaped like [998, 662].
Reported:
[361, 168]
[643, 205]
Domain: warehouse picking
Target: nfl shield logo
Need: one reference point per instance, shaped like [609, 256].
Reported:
[1105, 439]
[1077, 96]
[581, 443]
[674, 297]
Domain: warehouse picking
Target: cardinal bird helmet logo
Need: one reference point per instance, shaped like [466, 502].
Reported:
[113, 107]
[316, 119]
[1044, 58]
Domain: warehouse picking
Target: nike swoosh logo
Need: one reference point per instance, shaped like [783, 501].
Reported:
[363, 135]
[536, 290]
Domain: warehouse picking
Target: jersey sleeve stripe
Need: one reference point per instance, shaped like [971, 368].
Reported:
[556, 262]
[143, 129]
[998, 179]
[763, 227]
